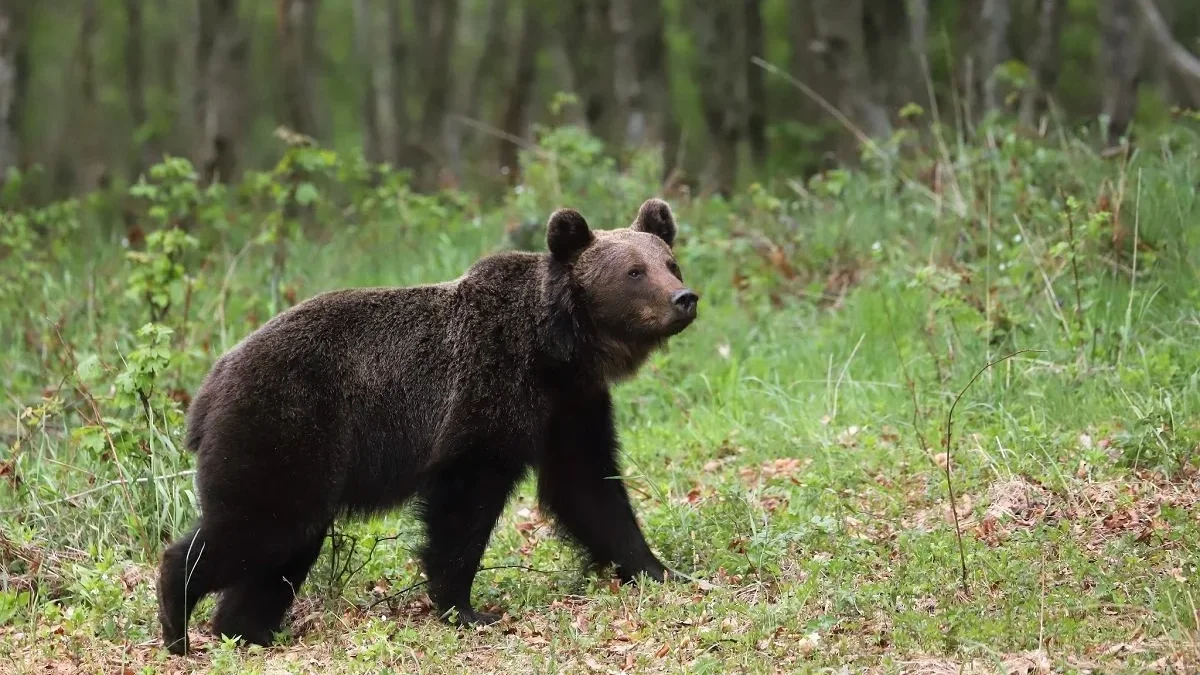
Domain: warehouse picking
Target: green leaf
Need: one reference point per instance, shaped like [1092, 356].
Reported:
[306, 193]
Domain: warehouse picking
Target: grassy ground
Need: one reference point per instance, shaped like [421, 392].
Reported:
[789, 450]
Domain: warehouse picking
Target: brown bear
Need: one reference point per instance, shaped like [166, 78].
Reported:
[356, 400]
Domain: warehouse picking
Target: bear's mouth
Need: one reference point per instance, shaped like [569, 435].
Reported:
[680, 321]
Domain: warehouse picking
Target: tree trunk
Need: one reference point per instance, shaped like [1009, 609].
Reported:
[588, 40]
[436, 81]
[13, 81]
[1043, 61]
[165, 98]
[807, 68]
[221, 55]
[994, 18]
[76, 155]
[87, 56]
[1120, 58]
[364, 43]
[490, 67]
[145, 150]
[756, 114]
[720, 46]
[627, 83]
[1181, 62]
[895, 40]
[843, 49]
[296, 21]
[653, 74]
[398, 60]
[516, 110]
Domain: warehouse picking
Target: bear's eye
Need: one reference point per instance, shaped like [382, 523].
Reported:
[674, 268]
[635, 273]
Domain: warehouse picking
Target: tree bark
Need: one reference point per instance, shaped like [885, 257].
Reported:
[842, 46]
[1043, 61]
[221, 55]
[398, 61]
[87, 56]
[627, 83]
[805, 66]
[436, 80]
[13, 81]
[895, 40]
[756, 91]
[364, 43]
[653, 74]
[1184, 64]
[588, 40]
[1120, 58]
[146, 146]
[490, 67]
[720, 45]
[516, 110]
[994, 19]
[296, 21]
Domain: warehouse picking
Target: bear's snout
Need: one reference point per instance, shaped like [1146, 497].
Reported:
[684, 301]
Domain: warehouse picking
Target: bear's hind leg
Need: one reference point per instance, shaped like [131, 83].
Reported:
[254, 608]
[197, 564]
[460, 508]
[579, 482]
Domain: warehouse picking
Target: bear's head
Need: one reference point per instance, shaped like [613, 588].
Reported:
[627, 279]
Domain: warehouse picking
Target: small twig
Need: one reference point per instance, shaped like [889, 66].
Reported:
[962, 555]
[1074, 265]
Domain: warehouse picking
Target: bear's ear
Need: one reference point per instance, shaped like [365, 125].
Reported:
[567, 234]
[656, 218]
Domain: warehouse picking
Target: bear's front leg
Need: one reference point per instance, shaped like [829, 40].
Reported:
[460, 509]
[579, 482]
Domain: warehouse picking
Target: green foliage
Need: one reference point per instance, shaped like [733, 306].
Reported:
[785, 450]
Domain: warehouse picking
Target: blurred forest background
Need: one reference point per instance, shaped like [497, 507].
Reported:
[94, 91]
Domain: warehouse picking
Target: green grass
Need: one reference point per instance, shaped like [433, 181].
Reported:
[787, 451]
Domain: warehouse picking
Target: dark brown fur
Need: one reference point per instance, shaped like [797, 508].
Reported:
[355, 401]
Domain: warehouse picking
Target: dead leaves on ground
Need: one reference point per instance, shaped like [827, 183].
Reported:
[1097, 511]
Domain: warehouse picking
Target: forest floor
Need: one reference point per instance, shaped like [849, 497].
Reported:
[788, 452]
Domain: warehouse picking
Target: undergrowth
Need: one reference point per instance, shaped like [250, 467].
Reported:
[791, 451]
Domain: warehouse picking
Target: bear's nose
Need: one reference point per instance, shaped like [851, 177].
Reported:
[685, 300]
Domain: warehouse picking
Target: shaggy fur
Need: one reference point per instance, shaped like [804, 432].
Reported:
[356, 401]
